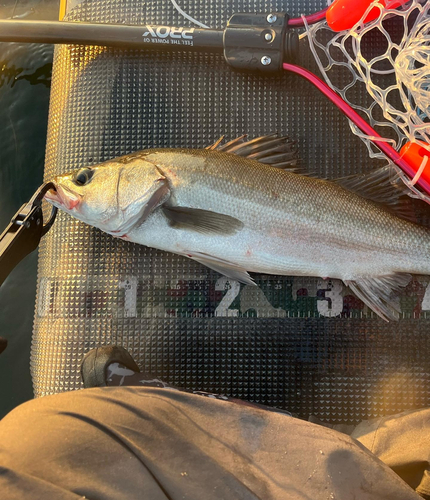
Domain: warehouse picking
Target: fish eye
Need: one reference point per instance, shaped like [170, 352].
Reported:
[83, 176]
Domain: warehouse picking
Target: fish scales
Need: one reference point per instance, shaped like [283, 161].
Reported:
[331, 222]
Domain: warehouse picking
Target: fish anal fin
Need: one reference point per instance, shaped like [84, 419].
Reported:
[228, 269]
[202, 221]
[379, 293]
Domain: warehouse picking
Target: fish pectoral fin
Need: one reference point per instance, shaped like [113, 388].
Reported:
[279, 152]
[228, 269]
[379, 293]
[202, 221]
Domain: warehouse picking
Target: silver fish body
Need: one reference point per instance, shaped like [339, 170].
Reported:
[277, 222]
[293, 224]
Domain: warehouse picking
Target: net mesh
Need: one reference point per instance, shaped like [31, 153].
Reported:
[389, 57]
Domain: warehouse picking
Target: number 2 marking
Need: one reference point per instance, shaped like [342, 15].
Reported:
[425, 304]
[233, 290]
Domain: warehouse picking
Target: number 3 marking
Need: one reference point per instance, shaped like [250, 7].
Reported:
[333, 291]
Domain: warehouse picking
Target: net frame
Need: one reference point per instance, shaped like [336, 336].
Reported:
[397, 79]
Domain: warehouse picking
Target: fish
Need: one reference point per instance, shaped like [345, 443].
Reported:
[243, 207]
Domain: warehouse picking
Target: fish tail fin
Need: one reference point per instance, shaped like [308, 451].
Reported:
[380, 293]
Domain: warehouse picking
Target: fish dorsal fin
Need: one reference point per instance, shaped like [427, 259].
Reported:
[379, 293]
[384, 187]
[216, 143]
[279, 152]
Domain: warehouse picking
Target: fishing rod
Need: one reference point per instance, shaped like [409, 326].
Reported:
[261, 31]
[249, 41]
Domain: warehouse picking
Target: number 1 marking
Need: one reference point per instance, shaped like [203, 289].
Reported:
[130, 296]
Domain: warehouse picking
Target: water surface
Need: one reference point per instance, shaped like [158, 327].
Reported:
[25, 73]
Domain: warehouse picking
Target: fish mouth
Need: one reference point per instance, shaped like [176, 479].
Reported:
[53, 197]
[63, 197]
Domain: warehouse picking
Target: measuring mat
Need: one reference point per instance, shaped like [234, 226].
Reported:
[303, 344]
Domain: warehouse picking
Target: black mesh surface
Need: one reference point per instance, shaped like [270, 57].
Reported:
[296, 343]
